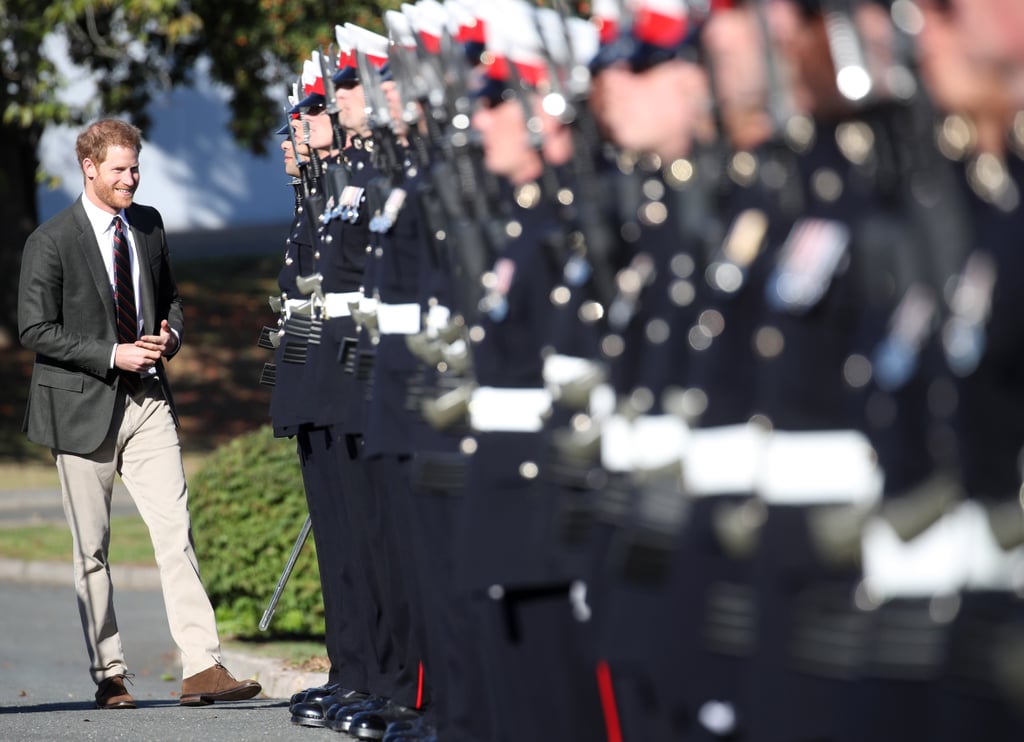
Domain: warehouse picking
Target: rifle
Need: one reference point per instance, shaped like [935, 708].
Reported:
[300, 163]
[778, 98]
[455, 201]
[338, 175]
[853, 80]
[328, 66]
[477, 188]
[313, 205]
[379, 116]
[791, 129]
[587, 214]
[315, 166]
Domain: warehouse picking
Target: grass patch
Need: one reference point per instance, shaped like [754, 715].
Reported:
[29, 475]
[129, 542]
[32, 475]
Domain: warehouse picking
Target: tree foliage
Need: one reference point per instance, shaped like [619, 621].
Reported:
[139, 46]
[136, 48]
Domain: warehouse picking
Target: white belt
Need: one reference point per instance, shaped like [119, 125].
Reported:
[398, 319]
[932, 563]
[336, 305]
[958, 551]
[724, 460]
[819, 467]
[494, 409]
[936, 562]
[561, 369]
[647, 442]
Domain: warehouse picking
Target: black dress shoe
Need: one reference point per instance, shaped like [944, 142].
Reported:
[373, 723]
[313, 711]
[313, 694]
[414, 730]
[339, 717]
[404, 726]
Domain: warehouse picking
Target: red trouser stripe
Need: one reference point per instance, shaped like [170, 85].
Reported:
[611, 711]
[419, 689]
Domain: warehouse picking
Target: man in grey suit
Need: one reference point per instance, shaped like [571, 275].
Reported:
[100, 400]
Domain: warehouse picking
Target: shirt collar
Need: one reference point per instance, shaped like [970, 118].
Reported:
[98, 218]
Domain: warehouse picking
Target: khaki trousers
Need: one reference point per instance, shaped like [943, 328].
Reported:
[143, 447]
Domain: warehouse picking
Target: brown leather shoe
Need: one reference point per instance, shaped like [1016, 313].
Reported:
[111, 694]
[216, 684]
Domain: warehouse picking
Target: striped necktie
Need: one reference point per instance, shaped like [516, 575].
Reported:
[124, 298]
[124, 287]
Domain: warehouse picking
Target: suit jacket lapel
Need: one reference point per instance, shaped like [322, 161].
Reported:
[90, 251]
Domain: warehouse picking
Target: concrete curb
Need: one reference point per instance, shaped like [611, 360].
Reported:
[277, 681]
[59, 574]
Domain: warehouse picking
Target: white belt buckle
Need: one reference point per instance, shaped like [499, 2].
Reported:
[336, 304]
[497, 409]
[645, 443]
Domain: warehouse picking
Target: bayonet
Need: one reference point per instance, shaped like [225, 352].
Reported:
[285, 575]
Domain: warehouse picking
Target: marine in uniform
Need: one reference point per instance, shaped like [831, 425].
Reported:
[293, 404]
[334, 367]
[979, 131]
[430, 370]
[388, 313]
[538, 678]
[653, 102]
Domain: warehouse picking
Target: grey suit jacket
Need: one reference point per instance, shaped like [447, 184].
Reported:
[66, 315]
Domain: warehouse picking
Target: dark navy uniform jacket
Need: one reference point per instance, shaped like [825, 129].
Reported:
[670, 262]
[310, 388]
[805, 344]
[505, 526]
[990, 410]
[395, 276]
[290, 405]
[722, 363]
[342, 266]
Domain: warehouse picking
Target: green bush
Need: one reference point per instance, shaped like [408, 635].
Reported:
[248, 506]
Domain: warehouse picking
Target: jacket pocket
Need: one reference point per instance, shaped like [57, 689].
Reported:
[57, 379]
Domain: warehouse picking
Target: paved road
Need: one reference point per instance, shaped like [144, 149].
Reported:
[46, 692]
